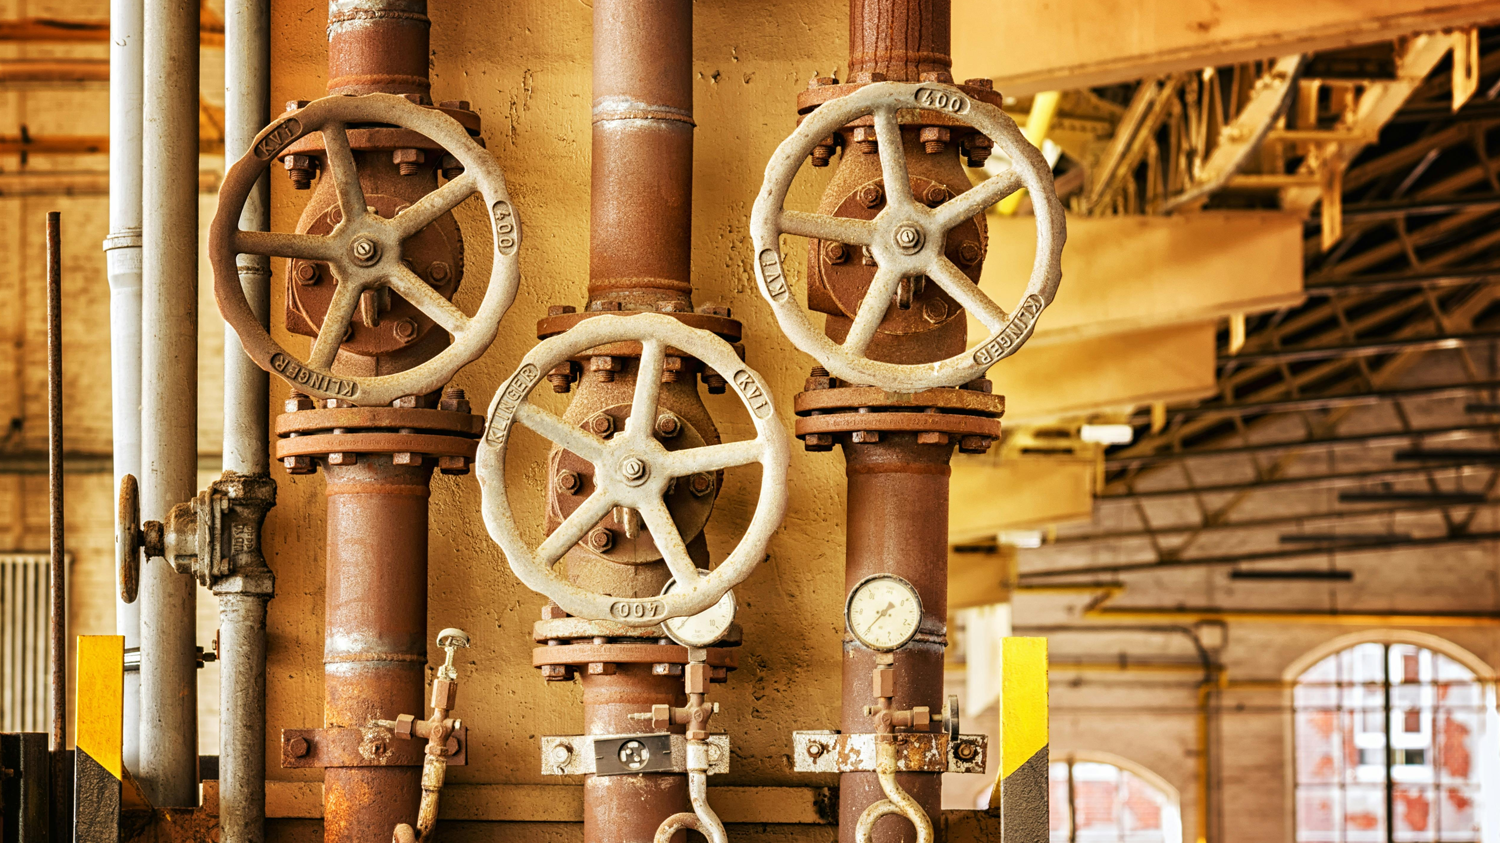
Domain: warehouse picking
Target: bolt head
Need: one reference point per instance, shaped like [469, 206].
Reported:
[298, 465]
[307, 273]
[567, 482]
[701, 484]
[908, 238]
[364, 251]
[633, 468]
[297, 401]
[602, 425]
[865, 437]
[601, 540]
[818, 442]
[969, 253]
[836, 252]
[439, 272]
[981, 82]
[408, 156]
[405, 329]
[871, 195]
[668, 425]
[822, 82]
[974, 444]
[816, 749]
[561, 752]
[556, 672]
[934, 195]
[297, 747]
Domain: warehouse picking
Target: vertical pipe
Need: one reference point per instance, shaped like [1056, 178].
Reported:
[628, 809]
[900, 38]
[379, 46]
[122, 255]
[247, 96]
[242, 612]
[641, 209]
[59, 613]
[169, 396]
[375, 634]
[897, 523]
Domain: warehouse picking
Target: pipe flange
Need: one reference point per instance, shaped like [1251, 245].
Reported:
[567, 629]
[726, 328]
[128, 539]
[891, 241]
[940, 400]
[633, 469]
[720, 660]
[364, 251]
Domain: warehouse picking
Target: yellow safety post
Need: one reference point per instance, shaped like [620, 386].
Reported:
[99, 766]
[1022, 785]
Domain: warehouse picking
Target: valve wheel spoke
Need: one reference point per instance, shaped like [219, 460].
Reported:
[429, 208]
[945, 274]
[335, 325]
[845, 230]
[872, 310]
[423, 297]
[276, 244]
[893, 160]
[574, 527]
[643, 403]
[975, 200]
[669, 541]
[555, 429]
[714, 457]
[345, 174]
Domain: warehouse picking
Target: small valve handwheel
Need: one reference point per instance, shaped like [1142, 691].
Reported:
[633, 469]
[364, 251]
[907, 239]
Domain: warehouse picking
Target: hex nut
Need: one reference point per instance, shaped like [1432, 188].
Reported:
[714, 310]
[714, 382]
[567, 482]
[969, 253]
[836, 252]
[605, 366]
[405, 329]
[601, 540]
[342, 458]
[871, 195]
[935, 195]
[864, 437]
[602, 425]
[935, 139]
[818, 442]
[557, 672]
[453, 465]
[601, 669]
[561, 309]
[454, 400]
[668, 425]
[408, 161]
[298, 747]
[406, 458]
[301, 169]
[439, 271]
[701, 484]
[306, 273]
[298, 401]
[974, 444]
[552, 612]
[405, 724]
[298, 465]
[562, 376]
[980, 82]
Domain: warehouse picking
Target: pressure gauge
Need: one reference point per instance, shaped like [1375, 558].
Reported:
[704, 628]
[883, 612]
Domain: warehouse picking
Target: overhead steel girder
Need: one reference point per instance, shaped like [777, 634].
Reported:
[1327, 402]
[1394, 437]
[1316, 481]
[1268, 556]
[1360, 349]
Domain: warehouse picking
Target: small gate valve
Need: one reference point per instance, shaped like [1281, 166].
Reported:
[695, 715]
[918, 718]
[214, 536]
[437, 729]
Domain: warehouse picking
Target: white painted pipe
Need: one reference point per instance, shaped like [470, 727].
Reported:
[169, 396]
[122, 255]
[242, 613]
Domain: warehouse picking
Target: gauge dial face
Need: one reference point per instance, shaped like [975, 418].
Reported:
[883, 612]
[704, 628]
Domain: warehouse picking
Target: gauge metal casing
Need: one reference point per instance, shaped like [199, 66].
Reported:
[707, 627]
[898, 637]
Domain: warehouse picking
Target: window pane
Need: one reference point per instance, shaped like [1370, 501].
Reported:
[1414, 820]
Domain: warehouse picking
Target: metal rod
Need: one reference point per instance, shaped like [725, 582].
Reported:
[122, 256]
[1363, 285]
[1325, 574]
[1328, 402]
[1419, 207]
[59, 613]
[169, 397]
[1396, 495]
[1317, 480]
[1359, 349]
[1268, 556]
[242, 611]
[1476, 455]
[1394, 437]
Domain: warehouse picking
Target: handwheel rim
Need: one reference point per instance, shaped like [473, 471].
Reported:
[480, 170]
[542, 576]
[769, 221]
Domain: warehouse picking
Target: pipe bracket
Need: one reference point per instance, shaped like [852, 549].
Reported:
[375, 746]
[623, 755]
[916, 752]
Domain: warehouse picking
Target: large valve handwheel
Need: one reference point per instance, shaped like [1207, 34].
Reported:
[907, 239]
[364, 250]
[633, 469]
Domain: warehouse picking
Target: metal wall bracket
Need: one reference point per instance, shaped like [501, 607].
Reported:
[375, 746]
[930, 752]
[623, 755]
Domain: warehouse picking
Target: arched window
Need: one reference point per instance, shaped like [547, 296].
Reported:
[1097, 802]
[1388, 747]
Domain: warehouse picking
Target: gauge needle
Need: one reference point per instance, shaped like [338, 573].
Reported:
[878, 615]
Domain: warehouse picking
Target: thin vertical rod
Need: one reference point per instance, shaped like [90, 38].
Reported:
[59, 616]
[122, 254]
[169, 396]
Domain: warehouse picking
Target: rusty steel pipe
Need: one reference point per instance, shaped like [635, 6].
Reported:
[901, 39]
[898, 524]
[58, 647]
[375, 634]
[640, 236]
[627, 809]
[379, 46]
